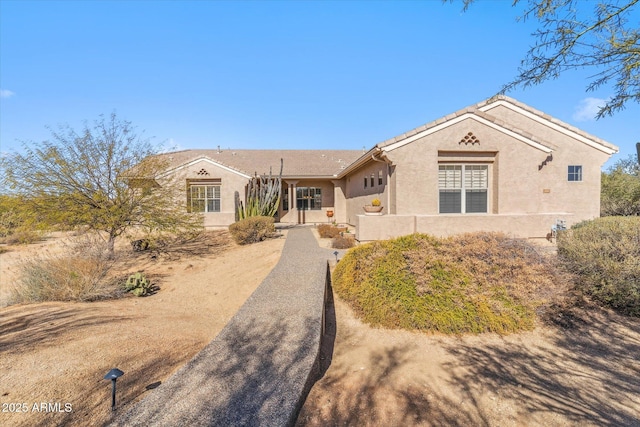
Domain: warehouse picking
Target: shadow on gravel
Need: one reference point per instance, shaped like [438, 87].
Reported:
[586, 375]
[244, 377]
[590, 376]
[23, 327]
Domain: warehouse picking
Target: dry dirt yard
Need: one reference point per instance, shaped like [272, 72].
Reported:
[584, 373]
[584, 370]
[57, 353]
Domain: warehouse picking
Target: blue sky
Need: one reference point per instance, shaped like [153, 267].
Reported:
[272, 74]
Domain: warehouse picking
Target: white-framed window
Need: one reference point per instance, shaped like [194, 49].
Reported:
[574, 173]
[463, 188]
[204, 198]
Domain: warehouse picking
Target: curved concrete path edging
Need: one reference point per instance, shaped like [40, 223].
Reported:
[261, 366]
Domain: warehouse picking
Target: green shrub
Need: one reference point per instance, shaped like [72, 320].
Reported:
[605, 255]
[481, 282]
[253, 229]
[341, 242]
[138, 285]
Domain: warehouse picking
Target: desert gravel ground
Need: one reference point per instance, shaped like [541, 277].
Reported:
[584, 371]
[57, 353]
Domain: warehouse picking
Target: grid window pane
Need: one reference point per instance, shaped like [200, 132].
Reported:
[205, 198]
[309, 198]
[449, 177]
[475, 177]
[575, 173]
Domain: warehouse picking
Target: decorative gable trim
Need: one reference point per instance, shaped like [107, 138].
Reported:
[460, 118]
[546, 122]
[469, 138]
[208, 160]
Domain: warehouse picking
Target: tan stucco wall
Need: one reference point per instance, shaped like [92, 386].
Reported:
[357, 196]
[583, 198]
[516, 225]
[525, 196]
[230, 182]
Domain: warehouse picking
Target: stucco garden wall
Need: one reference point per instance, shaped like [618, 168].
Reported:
[517, 225]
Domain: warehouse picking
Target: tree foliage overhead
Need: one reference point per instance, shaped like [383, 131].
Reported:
[603, 37]
[103, 178]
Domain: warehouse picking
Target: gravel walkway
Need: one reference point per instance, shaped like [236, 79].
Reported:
[260, 367]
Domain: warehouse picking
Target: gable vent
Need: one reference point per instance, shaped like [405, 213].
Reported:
[202, 172]
[469, 138]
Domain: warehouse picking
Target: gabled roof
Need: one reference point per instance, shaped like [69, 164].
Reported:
[481, 112]
[549, 121]
[330, 163]
[296, 163]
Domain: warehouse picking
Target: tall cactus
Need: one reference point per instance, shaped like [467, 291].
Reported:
[263, 196]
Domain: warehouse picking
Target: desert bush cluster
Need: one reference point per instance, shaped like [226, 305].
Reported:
[342, 242]
[604, 254]
[79, 273]
[479, 282]
[252, 230]
[328, 231]
[338, 238]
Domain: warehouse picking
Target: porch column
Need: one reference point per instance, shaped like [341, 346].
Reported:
[293, 207]
[339, 201]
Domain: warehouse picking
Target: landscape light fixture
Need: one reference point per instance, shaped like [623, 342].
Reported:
[113, 375]
[336, 254]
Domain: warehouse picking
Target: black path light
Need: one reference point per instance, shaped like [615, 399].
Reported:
[336, 254]
[113, 375]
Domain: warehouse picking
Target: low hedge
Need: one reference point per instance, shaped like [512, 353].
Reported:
[472, 283]
[253, 229]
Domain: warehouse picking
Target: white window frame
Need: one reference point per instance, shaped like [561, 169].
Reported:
[463, 183]
[575, 173]
[212, 193]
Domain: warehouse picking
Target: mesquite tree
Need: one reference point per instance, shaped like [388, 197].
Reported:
[102, 178]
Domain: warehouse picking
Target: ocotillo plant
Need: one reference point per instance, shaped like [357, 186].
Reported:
[263, 196]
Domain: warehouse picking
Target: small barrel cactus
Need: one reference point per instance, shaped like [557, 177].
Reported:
[375, 202]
